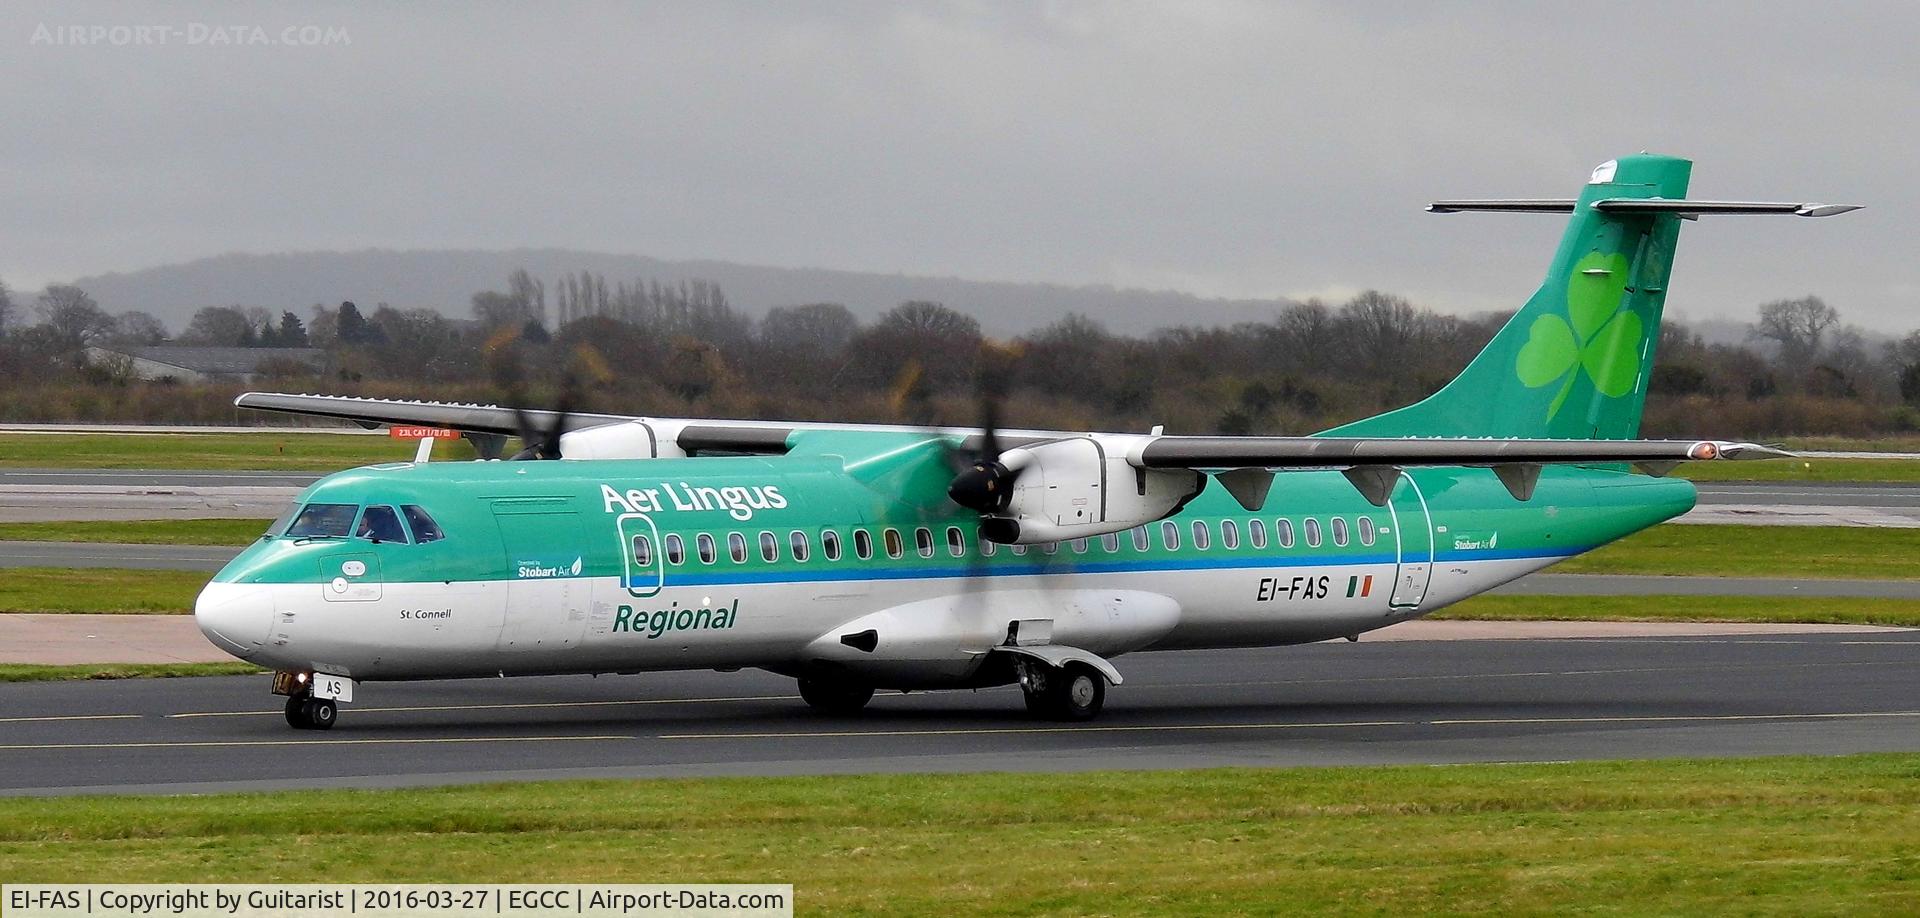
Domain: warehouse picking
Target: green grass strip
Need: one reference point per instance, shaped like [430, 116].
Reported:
[292, 452]
[101, 590]
[22, 672]
[1779, 835]
[1807, 609]
[139, 532]
[1759, 551]
[1881, 470]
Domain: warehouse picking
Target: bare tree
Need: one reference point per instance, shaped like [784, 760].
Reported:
[72, 316]
[1797, 326]
[220, 326]
[137, 329]
[6, 307]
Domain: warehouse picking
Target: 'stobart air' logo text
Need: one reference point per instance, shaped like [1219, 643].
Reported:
[536, 570]
[1597, 338]
[739, 502]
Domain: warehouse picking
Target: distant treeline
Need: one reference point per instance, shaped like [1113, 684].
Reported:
[641, 346]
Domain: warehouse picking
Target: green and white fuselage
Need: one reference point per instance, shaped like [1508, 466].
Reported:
[537, 570]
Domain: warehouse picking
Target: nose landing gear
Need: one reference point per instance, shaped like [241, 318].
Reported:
[311, 713]
[312, 698]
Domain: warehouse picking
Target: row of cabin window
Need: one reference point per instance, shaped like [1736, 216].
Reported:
[801, 546]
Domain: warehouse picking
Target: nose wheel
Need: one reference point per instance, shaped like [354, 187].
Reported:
[311, 713]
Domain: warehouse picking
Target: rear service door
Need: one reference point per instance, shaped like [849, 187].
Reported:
[547, 588]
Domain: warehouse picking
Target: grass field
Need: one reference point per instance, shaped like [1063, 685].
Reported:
[21, 672]
[139, 532]
[1876, 470]
[110, 590]
[1759, 551]
[1809, 609]
[1778, 836]
[303, 452]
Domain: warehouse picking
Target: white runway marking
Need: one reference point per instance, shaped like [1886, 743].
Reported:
[318, 741]
[1303, 725]
[508, 706]
[32, 720]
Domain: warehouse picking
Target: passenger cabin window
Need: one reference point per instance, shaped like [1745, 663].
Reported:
[894, 546]
[1050, 547]
[1110, 542]
[830, 544]
[381, 524]
[1366, 530]
[424, 528]
[676, 549]
[704, 544]
[923, 541]
[987, 548]
[769, 547]
[862, 544]
[737, 547]
[797, 540]
[1283, 532]
[1170, 535]
[1201, 535]
[323, 521]
[1230, 534]
[642, 550]
[1311, 526]
[1339, 530]
[1141, 540]
[1257, 533]
[1079, 546]
[956, 541]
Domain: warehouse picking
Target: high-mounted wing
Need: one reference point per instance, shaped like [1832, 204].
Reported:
[1244, 464]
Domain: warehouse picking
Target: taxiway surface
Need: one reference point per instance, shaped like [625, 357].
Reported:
[1323, 704]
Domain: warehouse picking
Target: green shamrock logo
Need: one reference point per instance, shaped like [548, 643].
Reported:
[1597, 336]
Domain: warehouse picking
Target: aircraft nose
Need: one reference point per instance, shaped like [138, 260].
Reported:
[235, 616]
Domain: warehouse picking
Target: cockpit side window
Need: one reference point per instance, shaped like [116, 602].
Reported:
[380, 524]
[323, 521]
[424, 528]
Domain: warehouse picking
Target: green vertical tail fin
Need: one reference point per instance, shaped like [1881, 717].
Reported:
[1574, 362]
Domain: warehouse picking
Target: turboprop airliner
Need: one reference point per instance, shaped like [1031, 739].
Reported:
[857, 558]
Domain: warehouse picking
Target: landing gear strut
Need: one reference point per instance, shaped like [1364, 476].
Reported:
[835, 697]
[1075, 691]
[309, 713]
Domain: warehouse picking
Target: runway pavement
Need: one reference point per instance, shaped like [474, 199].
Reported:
[1323, 704]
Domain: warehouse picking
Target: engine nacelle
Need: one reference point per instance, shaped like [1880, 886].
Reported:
[1084, 486]
[626, 440]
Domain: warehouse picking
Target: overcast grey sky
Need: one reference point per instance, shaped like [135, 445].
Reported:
[1236, 149]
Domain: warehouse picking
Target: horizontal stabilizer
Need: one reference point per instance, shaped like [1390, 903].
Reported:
[1684, 208]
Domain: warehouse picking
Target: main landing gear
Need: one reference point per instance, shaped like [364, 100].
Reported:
[1074, 691]
[834, 697]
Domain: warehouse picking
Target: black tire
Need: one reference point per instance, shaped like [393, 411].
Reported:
[1076, 691]
[322, 713]
[835, 697]
[297, 713]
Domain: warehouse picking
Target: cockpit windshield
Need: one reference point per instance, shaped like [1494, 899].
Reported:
[323, 521]
[424, 528]
[380, 524]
